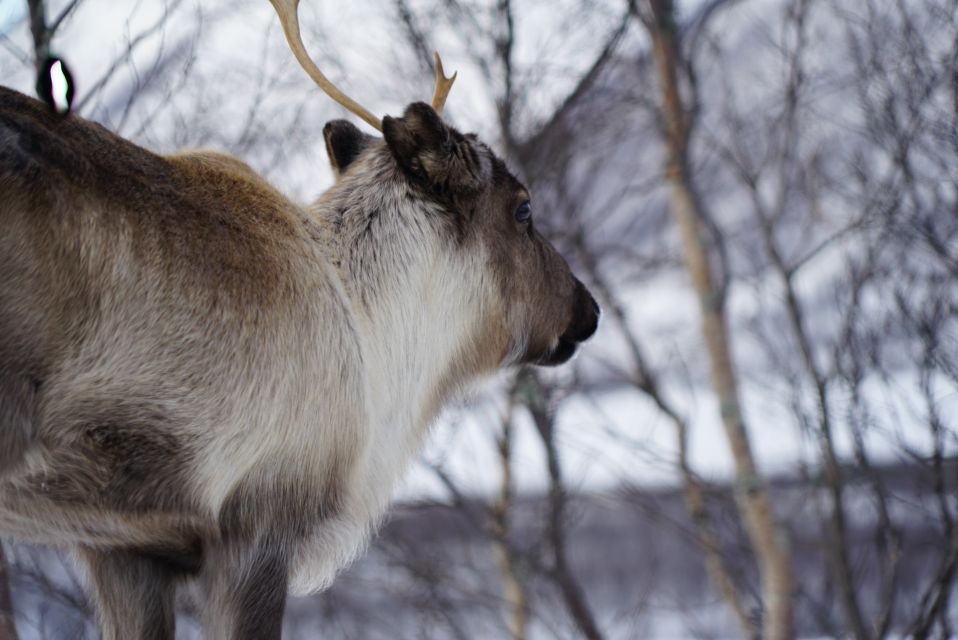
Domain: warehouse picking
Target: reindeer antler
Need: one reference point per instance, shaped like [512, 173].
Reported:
[289, 18]
[443, 85]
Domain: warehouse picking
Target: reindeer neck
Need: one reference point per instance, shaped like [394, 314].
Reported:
[413, 304]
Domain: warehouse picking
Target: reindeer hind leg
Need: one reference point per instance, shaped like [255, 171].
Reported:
[134, 594]
[134, 551]
[92, 491]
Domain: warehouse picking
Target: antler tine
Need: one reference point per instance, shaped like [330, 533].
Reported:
[443, 85]
[289, 18]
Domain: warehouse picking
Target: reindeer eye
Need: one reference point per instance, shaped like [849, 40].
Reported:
[524, 213]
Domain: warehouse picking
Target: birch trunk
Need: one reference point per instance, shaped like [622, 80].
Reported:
[765, 536]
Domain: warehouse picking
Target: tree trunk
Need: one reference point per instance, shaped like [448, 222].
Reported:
[513, 592]
[39, 32]
[766, 538]
[647, 383]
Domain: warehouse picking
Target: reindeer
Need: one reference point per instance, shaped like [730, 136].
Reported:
[204, 382]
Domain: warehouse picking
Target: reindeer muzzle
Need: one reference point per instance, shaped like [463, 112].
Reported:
[585, 321]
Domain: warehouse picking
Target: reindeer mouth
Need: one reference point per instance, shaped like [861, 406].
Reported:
[584, 324]
[561, 354]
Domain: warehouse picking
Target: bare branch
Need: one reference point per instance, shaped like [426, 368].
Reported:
[64, 14]
[536, 400]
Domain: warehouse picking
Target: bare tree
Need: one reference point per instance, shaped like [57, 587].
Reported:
[43, 31]
[647, 382]
[514, 591]
[767, 538]
[768, 217]
[538, 400]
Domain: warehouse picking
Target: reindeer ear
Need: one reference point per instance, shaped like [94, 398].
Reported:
[430, 151]
[344, 143]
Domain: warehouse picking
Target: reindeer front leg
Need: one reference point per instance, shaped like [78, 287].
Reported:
[245, 573]
[246, 584]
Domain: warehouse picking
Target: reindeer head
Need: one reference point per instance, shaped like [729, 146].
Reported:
[476, 215]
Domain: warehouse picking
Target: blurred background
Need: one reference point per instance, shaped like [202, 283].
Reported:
[763, 195]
